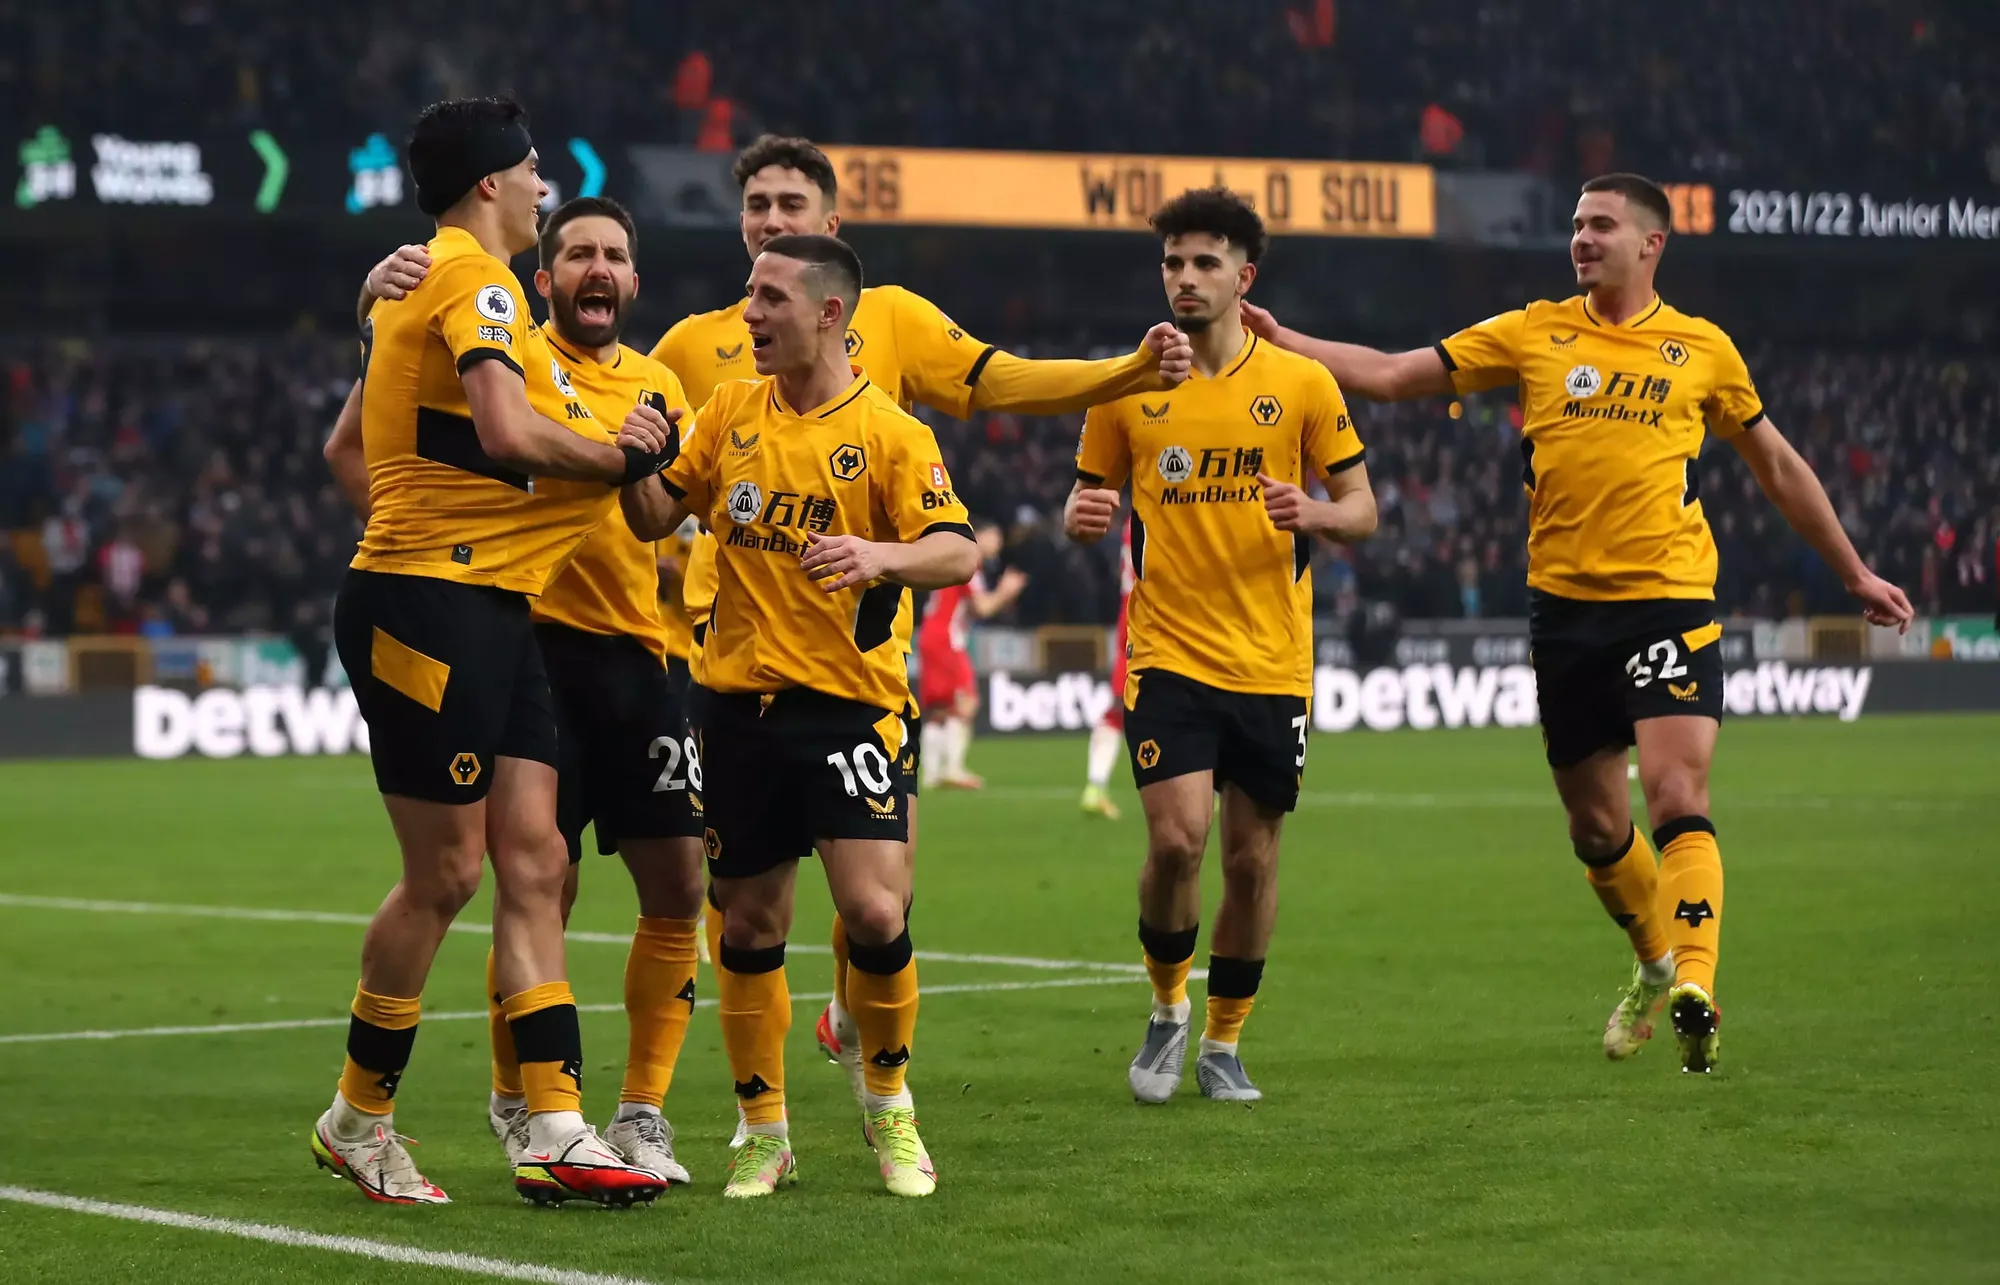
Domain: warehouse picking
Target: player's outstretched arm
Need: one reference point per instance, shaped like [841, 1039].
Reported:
[931, 561]
[514, 435]
[345, 454]
[1062, 387]
[1792, 486]
[1370, 372]
[1089, 512]
[1346, 515]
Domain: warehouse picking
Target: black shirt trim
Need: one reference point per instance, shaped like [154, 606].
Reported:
[1248, 353]
[956, 528]
[979, 367]
[1359, 457]
[1090, 479]
[1444, 355]
[473, 356]
[860, 387]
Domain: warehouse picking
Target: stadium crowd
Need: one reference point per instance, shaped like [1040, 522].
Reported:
[1808, 92]
[176, 487]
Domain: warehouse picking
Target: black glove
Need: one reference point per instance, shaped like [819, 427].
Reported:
[640, 465]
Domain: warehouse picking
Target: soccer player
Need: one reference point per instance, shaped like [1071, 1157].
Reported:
[826, 500]
[1109, 733]
[432, 624]
[1220, 675]
[945, 680]
[626, 761]
[1615, 386]
[909, 349]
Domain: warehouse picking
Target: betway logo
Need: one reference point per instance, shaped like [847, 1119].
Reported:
[1071, 702]
[1776, 688]
[1423, 697]
[266, 721]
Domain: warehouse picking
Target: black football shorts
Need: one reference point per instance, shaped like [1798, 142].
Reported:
[782, 771]
[1257, 742]
[626, 761]
[449, 679]
[1602, 667]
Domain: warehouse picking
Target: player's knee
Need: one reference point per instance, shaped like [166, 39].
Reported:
[1174, 851]
[1596, 834]
[874, 919]
[447, 884]
[1677, 792]
[1250, 868]
[753, 923]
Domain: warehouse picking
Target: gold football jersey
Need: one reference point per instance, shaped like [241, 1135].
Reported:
[765, 478]
[612, 584]
[1221, 596]
[439, 505]
[1612, 428]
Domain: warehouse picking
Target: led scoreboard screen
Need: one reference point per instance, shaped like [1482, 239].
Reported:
[1084, 191]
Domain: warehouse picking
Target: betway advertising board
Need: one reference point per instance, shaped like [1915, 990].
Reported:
[269, 721]
[1426, 697]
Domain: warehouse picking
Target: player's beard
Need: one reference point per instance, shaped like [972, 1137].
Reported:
[1192, 323]
[580, 332]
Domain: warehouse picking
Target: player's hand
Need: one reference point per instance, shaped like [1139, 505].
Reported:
[1012, 581]
[1175, 355]
[647, 429]
[842, 561]
[1089, 513]
[1883, 603]
[400, 273]
[1259, 322]
[1289, 506]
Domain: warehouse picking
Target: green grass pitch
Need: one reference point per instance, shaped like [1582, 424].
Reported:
[1437, 1107]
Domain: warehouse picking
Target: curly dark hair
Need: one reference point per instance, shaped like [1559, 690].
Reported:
[1218, 211]
[787, 153]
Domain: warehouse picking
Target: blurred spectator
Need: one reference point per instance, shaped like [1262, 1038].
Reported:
[1798, 92]
[186, 495]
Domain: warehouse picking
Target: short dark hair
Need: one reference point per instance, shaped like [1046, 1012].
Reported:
[787, 153]
[457, 142]
[583, 207]
[1637, 190]
[832, 262]
[1217, 211]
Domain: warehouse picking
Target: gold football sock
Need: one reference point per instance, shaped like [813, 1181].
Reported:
[381, 1031]
[756, 1010]
[840, 963]
[542, 1020]
[882, 993]
[1691, 897]
[659, 1000]
[1232, 990]
[1627, 882]
[1168, 957]
[506, 1067]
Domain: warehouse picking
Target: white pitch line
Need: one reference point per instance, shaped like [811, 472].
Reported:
[298, 1238]
[468, 1015]
[259, 914]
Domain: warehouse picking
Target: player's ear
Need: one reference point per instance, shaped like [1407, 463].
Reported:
[544, 283]
[1245, 275]
[833, 223]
